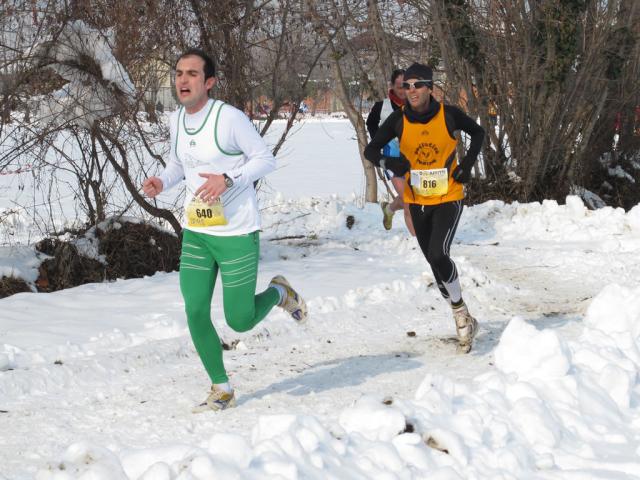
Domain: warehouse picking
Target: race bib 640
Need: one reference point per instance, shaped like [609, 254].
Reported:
[201, 214]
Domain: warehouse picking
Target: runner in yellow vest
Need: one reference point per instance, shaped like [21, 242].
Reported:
[379, 113]
[433, 180]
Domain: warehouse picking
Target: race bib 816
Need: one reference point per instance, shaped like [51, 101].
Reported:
[430, 182]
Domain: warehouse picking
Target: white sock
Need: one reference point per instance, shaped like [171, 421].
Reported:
[455, 291]
[224, 386]
[281, 291]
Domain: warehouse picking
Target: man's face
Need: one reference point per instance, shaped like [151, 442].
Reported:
[397, 88]
[191, 87]
[417, 97]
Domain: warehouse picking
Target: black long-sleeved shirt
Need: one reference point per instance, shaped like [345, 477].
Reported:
[455, 120]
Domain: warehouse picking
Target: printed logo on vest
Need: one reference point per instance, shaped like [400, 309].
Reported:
[192, 143]
[192, 162]
[425, 153]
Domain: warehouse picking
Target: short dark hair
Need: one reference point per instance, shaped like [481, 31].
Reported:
[209, 66]
[396, 74]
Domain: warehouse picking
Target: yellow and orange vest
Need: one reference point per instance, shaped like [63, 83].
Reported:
[428, 146]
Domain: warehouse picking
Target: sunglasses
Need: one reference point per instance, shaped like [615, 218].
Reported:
[416, 84]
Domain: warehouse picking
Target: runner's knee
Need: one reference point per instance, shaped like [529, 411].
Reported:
[198, 311]
[239, 319]
[437, 258]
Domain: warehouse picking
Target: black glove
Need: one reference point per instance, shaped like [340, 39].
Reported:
[462, 174]
[398, 165]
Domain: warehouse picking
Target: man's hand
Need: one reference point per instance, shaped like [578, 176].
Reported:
[398, 165]
[212, 188]
[152, 186]
[462, 174]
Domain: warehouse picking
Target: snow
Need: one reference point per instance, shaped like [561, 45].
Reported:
[83, 100]
[19, 261]
[97, 382]
[591, 199]
[531, 354]
[331, 166]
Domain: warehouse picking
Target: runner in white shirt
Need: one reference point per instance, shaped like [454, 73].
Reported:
[219, 154]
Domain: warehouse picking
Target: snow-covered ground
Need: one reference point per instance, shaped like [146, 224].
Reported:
[97, 382]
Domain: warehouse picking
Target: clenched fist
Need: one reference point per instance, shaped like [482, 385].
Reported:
[152, 186]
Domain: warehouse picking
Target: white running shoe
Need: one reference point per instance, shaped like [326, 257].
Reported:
[387, 215]
[292, 302]
[218, 399]
[466, 328]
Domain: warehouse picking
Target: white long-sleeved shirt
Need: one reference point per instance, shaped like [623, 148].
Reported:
[219, 139]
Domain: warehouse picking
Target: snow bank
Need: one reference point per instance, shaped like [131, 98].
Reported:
[20, 262]
[86, 97]
[549, 405]
[549, 409]
[548, 220]
[530, 353]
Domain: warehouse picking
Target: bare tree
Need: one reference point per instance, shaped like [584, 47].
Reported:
[103, 66]
[359, 43]
[285, 54]
[384, 60]
[539, 75]
[86, 111]
[616, 135]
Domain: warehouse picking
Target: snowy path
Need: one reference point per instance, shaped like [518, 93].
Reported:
[134, 387]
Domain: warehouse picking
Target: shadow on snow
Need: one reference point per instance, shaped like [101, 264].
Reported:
[344, 372]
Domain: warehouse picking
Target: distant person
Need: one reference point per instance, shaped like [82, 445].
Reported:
[433, 180]
[215, 148]
[378, 114]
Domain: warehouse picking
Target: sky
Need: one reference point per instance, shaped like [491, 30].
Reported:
[97, 382]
